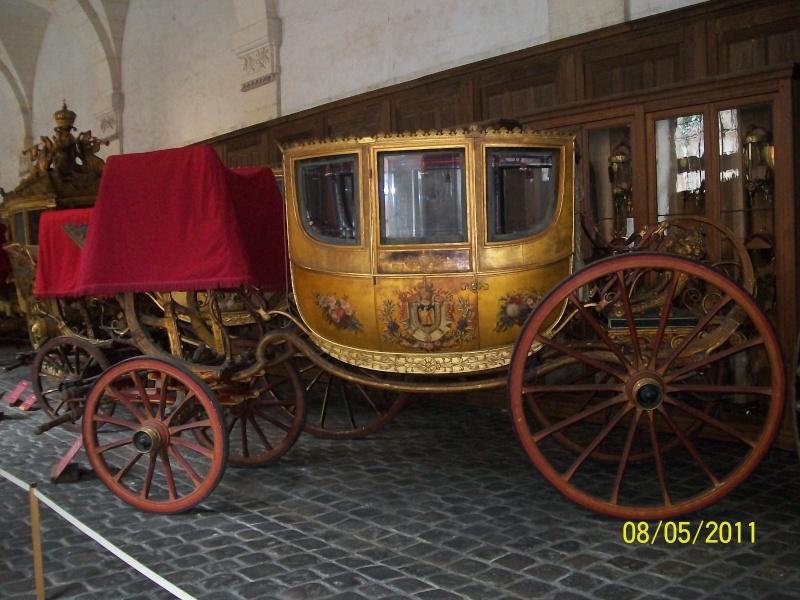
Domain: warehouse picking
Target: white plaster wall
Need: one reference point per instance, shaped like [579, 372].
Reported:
[179, 76]
[69, 77]
[181, 80]
[333, 49]
[11, 138]
[644, 8]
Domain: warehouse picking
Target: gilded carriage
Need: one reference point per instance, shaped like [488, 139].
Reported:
[645, 385]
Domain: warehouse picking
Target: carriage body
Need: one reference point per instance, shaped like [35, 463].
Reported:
[424, 253]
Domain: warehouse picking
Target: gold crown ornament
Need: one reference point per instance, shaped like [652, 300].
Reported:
[64, 118]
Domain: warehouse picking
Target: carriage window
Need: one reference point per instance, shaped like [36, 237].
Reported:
[422, 197]
[522, 191]
[327, 190]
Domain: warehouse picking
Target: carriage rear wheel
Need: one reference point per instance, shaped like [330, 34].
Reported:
[147, 452]
[61, 365]
[264, 423]
[341, 409]
[660, 367]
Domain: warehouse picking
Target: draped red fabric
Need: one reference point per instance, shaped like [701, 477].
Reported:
[59, 255]
[180, 220]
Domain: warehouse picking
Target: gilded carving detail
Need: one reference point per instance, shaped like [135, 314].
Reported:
[427, 364]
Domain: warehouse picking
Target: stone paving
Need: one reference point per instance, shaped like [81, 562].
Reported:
[440, 504]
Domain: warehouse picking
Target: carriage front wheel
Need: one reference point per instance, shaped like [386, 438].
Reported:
[646, 386]
[146, 451]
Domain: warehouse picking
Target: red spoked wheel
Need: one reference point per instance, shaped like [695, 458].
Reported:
[62, 365]
[646, 386]
[266, 422]
[147, 451]
[341, 409]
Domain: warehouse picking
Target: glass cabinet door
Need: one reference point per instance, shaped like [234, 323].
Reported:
[680, 165]
[746, 171]
[610, 183]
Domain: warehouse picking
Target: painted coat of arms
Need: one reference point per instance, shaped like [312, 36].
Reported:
[428, 318]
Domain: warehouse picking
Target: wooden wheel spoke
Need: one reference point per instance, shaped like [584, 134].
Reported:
[697, 330]
[662, 323]
[260, 432]
[123, 399]
[169, 476]
[148, 478]
[112, 420]
[196, 479]
[581, 357]
[572, 388]
[598, 439]
[591, 319]
[713, 358]
[269, 418]
[626, 302]
[690, 447]
[148, 410]
[113, 445]
[193, 446]
[162, 396]
[127, 468]
[705, 418]
[185, 404]
[576, 418]
[626, 452]
[659, 463]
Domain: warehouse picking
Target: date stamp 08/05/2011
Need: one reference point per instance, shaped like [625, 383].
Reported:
[685, 532]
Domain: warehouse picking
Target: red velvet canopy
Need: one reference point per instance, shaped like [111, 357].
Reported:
[59, 254]
[180, 220]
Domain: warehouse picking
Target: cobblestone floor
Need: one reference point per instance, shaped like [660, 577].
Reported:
[441, 504]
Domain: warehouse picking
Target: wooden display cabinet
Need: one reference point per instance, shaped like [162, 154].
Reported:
[725, 149]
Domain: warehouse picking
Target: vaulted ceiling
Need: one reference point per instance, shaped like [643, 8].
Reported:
[99, 24]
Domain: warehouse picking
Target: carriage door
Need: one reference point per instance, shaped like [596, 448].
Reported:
[424, 264]
[526, 248]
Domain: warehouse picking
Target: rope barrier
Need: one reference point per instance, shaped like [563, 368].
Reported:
[36, 495]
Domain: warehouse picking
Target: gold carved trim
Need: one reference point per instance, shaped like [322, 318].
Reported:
[424, 364]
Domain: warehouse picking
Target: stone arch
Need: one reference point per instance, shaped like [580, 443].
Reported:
[101, 32]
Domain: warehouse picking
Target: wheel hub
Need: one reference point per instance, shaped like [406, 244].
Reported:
[647, 391]
[147, 439]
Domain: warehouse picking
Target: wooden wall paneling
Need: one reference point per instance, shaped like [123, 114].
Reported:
[433, 106]
[654, 59]
[519, 89]
[763, 36]
[293, 130]
[245, 151]
[363, 118]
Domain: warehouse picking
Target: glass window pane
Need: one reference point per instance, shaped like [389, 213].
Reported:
[522, 191]
[34, 216]
[327, 189]
[680, 168]
[19, 228]
[422, 197]
[746, 170]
